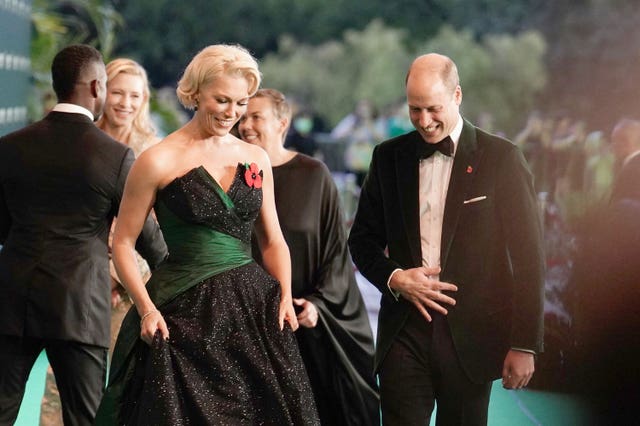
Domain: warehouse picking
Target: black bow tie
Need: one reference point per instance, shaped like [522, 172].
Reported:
[426, 150]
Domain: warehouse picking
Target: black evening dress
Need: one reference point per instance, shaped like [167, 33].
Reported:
[338, 351]
[226, 361]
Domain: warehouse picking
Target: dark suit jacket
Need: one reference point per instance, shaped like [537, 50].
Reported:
[61, 182]
[491, 249]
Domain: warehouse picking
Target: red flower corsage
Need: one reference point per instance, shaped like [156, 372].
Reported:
[252, 176]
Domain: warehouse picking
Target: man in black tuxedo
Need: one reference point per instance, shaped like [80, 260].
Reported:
[61, 181]
[430, 214]
[606, 279]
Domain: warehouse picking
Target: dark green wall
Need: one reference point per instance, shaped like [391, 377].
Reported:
[15, 65]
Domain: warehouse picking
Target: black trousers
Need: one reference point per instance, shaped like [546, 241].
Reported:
[422, 369]
[80, 372]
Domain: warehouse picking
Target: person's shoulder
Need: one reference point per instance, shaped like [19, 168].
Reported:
[156, 163]
[100, 136]
[493, 141]
[490, 137]
[104, 145]
[25, 132]
[310, 163]
[312, 167]
[249, 153]
[162, 153]
[397, 142]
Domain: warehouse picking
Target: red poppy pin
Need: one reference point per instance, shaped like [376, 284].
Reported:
[252, 176]
[469, 169]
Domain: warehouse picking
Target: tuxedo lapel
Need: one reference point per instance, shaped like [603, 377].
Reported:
[465, 163]
[407, 187]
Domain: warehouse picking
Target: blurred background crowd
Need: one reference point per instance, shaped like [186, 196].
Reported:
[554, 77]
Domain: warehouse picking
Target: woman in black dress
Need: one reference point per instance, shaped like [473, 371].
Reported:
[209, 340]
[335, 336]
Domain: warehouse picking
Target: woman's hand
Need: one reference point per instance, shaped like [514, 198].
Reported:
[286, 312]
[116, 298]
[149, 323]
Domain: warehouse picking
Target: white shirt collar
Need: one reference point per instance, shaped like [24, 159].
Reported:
[456, 132]
[630, 157]
[73, 109]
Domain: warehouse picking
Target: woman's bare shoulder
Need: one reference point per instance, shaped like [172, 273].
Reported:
[159, 160]
[250, 153]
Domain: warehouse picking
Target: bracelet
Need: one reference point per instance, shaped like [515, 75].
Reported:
[147, 314]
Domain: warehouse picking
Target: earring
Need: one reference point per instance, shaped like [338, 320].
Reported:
[195, 108]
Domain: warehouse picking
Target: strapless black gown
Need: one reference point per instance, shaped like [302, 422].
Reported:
[226, 361]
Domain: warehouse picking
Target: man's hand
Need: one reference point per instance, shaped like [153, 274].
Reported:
[517, 370]
[418, 286]
[308, 317]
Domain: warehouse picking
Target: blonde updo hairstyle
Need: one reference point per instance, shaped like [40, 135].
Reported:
[213, 61]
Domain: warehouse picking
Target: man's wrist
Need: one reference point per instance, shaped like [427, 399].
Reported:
[529, 351]
[395, 293]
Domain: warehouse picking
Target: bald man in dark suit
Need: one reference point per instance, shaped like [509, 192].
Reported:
[448, 229]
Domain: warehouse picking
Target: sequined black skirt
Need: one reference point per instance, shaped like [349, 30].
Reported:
[226, 361]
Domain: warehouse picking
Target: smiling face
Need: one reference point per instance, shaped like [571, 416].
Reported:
[221, 103]
[433, 108]
[433, 96]
[125, 97]
[260, 124]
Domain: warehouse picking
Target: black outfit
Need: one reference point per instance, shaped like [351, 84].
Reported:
[61, 182]
[226, 361]
[491, 248]
[338, 352]
[606, 318]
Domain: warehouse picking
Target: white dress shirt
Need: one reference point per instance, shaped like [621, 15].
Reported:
[73, 109]
[435, 173]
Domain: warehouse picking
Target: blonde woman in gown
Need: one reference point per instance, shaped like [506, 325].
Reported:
[210, 338]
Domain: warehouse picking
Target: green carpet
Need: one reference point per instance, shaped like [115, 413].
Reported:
[29, 414]
[528, 407]
[507, 407]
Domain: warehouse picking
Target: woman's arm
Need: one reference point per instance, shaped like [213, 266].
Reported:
[275, 252]
[139, 197]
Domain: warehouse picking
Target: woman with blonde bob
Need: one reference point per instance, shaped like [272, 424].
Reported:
[210, 338]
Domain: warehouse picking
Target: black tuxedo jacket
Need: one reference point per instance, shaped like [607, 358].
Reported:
[61, 182]
[491, 249]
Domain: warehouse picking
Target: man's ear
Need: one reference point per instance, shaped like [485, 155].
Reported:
[93, 86]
